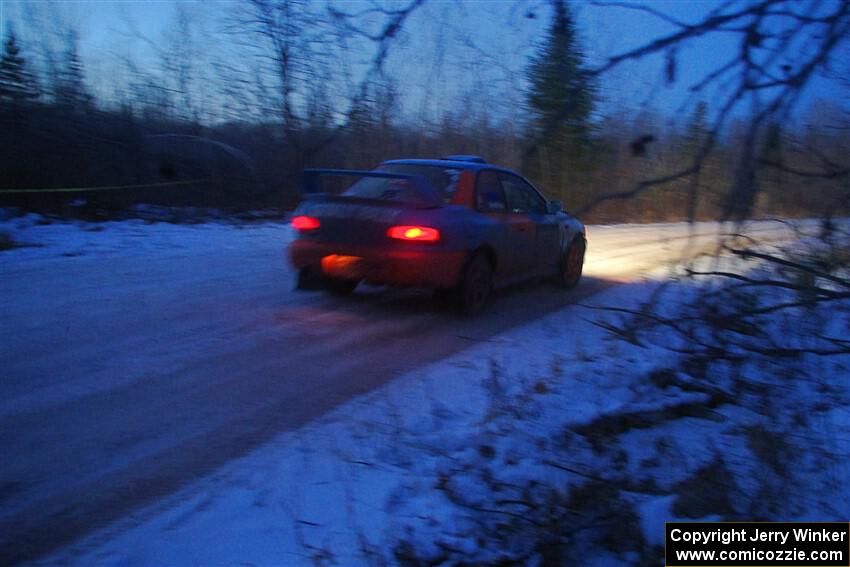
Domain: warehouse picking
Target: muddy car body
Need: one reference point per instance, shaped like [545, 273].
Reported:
[459, 226]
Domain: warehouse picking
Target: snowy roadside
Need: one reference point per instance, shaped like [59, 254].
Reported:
[339, 488]
[34, 238]
[552, 430]
[554, 427]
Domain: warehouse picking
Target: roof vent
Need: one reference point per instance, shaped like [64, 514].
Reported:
[462, 157]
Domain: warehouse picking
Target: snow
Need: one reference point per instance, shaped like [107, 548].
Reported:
[413, 469]
[43, 238]
[135, 255]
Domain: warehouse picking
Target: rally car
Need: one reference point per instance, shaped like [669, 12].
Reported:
[457, 225]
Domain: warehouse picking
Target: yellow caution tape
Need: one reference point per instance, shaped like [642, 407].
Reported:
[106, 188]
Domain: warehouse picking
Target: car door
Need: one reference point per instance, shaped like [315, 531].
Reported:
[540, 238]
[490, 201]
[522, 209]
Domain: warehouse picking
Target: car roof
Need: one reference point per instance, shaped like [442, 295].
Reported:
[470, 165]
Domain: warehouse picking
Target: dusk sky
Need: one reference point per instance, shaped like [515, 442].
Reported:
[448, 48]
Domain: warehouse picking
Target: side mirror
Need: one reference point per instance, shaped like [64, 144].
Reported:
[553, 207]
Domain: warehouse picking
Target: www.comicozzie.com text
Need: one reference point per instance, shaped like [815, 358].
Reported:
[756, 534]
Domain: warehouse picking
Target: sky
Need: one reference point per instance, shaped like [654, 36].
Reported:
[448, 49]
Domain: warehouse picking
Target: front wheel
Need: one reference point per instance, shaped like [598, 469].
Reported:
[572, 264]
[476, 285]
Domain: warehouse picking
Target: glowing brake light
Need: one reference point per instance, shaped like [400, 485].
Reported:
[303, 222]
[417, 233]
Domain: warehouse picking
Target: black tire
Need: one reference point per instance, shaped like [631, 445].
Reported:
[476, 286]
[572, 264]
[340, 287]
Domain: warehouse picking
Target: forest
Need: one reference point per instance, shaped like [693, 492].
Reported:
[315, 84]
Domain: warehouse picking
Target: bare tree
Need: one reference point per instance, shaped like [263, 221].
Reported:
[783, 45]
[301, 46]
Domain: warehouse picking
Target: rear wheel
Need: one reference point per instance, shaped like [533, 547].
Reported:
[476, 287]
[573, 264]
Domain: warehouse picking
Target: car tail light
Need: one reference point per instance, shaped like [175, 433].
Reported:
[415, 233]
[303, 222]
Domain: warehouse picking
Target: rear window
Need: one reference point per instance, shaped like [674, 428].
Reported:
[443, 179]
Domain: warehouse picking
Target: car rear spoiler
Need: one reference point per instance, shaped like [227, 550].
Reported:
[427, 194]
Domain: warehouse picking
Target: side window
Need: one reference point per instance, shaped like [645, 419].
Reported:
[521, 197]
[488, 193]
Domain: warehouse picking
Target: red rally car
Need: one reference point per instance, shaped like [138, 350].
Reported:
[458, 225]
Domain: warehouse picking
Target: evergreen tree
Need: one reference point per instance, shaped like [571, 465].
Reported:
[561, 95]
[560, 101]
[696, 135]
[772, 154]
[17, 85]
[697, 131]
[70, 87]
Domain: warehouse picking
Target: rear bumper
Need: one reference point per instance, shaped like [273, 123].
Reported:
[413, 267]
